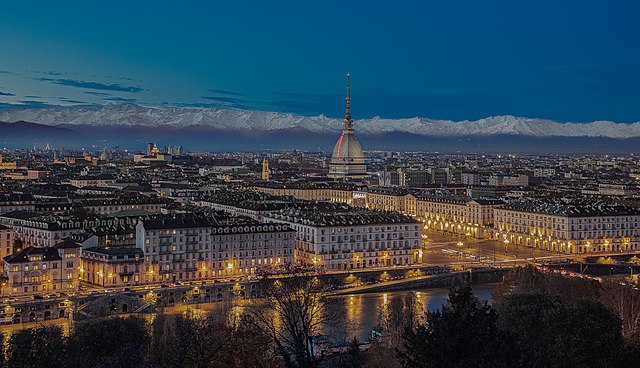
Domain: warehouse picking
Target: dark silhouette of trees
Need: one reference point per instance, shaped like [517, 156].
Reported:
[199, 342]
[292, 314]
[625, 302]
[355, 357]
[40, 347]
[113, 342]
[543, 330]
[536, 320]
[461, 334]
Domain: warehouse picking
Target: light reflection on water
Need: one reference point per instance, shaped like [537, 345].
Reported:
[362, 311]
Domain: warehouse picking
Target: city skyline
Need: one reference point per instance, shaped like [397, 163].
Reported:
[455, 61]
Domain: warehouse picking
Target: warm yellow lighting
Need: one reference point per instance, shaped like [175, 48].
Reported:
[229, 265]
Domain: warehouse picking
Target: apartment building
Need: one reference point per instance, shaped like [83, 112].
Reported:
[339, 237]
[45, 269]
[194, 247]
[569, 226]
[451, 213]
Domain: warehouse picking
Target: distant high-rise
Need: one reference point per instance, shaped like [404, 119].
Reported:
[174, 150]
[265, 169]
[347, 160]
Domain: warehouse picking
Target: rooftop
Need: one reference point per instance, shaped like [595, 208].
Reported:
[571, 207]
[326, 214]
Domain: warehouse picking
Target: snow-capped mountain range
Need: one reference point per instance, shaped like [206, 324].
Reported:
[128, 115]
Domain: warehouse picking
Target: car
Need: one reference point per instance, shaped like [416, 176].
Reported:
[10, 300]
[51, 295]
[94, 292]
[164, 285]
[83, 288]
[37, 296]
[127, 289]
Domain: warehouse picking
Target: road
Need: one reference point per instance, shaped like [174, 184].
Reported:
[445, 249]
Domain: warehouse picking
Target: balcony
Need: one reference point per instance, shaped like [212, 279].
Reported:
[126, 273]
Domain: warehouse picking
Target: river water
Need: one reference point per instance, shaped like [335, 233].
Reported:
[359, 313]
[362, 311]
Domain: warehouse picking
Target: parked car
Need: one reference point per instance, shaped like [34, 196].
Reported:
[37, 296]
[10, 300]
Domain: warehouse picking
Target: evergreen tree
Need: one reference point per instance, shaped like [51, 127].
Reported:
[40, 347]
[354, 357]
[544, 331]
[462, 334]
[114, 342]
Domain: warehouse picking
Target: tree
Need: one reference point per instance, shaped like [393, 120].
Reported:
[382, 354]
[251, 347]
[528, 278]
[113, 342]
[190, 342]
[354, 357]
[462, 334]
[544, 331]
[292, 314]
[2, 350]
[395, 319]
[625, 302]
[40, 347]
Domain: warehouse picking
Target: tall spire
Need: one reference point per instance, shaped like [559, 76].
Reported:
[348, 121]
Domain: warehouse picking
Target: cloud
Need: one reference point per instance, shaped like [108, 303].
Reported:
[223, 99]
[33, 96]
[121, 99]
[64, 99]
[4, 72]
[94, 85]
[208, 105]
[97, 93]
[31, 103]
[6, 94]
[225, 92]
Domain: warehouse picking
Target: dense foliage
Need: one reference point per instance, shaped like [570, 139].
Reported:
[536, 320]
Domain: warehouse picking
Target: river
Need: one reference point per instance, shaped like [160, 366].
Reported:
[362, 311]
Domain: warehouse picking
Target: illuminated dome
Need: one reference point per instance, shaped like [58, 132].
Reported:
[347, 160]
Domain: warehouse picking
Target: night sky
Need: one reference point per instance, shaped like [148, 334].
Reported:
[569, 60]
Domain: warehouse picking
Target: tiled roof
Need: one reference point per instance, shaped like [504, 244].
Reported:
[572, 207]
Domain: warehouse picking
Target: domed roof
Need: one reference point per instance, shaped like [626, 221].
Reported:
[347, 160]
[348, 147]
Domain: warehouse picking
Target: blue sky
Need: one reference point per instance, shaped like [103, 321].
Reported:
[566, 60]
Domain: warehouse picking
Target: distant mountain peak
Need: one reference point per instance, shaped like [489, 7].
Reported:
[132, 115]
